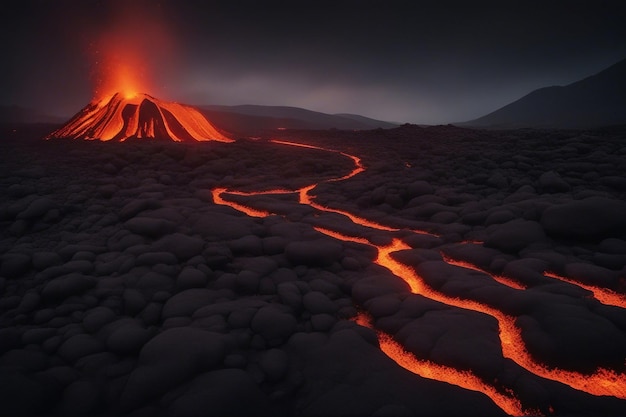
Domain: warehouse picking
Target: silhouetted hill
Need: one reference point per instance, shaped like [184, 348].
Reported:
[248, 119]
[595, 101]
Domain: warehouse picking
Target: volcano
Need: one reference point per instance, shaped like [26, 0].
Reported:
[138, 116]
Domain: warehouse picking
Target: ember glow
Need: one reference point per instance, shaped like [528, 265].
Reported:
[400, 272]
[605, 296]
[217, 199]
[126, 55]
[427, 369]
[499, 278]
[138, 116]
[602, 382]
[123, 105]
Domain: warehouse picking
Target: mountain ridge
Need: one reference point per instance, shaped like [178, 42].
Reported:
[247, 118]
[598, 100]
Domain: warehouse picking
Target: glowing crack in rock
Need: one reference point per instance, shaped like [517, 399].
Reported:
[427, 369]
[511, 283]
[605, 296]
[601, 382]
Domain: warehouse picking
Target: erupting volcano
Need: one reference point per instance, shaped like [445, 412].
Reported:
[124, 64]
[296, 263]
[138, 116]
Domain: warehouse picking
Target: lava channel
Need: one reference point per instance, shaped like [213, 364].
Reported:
[427, 369]
[601, 382]
[605, 296]
[511, 283]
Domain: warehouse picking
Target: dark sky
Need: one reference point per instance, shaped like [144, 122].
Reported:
[406, 61]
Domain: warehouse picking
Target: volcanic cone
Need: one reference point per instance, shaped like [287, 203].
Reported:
[141, 116]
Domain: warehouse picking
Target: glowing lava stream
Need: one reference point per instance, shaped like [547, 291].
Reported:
[601, 382]
[305, 198]
[502, 280]
[217, 199]
[603, 295]
[427, 369]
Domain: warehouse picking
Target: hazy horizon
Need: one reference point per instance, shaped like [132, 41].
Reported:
[426, 64]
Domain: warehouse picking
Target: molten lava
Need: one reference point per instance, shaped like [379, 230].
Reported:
[602, 382]
[427, 369]
[511, 283]
[605, 296]
[138, 116]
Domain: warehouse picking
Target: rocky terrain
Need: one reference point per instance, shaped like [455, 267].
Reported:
[131, 287]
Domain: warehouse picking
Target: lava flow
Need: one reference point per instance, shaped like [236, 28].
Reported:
[140, 116]
[306, 198]
[120, 108]
[427, 369]
[603, 295]
[499, 278]
[217, 199]
[603, 382]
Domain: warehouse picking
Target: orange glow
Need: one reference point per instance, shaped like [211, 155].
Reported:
[303, 194]
[120, 71]
[399, 269]
[427, 369]
[601, 382]
[358, 167]
[217, 199]
[345, 238]
[130, 57]
[306, 198]
[604, 295]
[473, 242]
[356, 219]
[300, 145]
[135, 47]
[511, 283]
[252, 193]
[141, 116]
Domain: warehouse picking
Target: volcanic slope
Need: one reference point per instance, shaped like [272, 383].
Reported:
[138, 116]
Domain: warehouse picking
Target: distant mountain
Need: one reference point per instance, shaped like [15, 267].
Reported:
[374, 123]
[596, 101]
[250, 119]
[22, 115]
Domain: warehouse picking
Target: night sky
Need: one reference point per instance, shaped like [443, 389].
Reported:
[405, 61]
